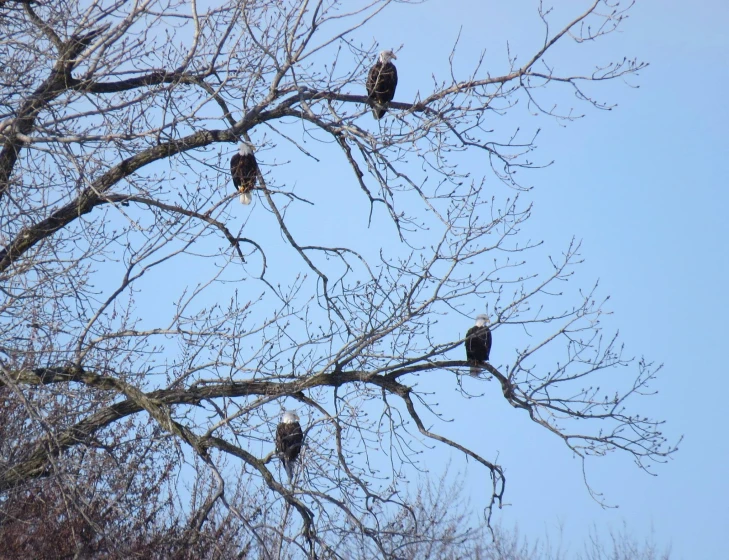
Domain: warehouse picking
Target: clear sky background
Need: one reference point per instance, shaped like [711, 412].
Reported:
[644, 186]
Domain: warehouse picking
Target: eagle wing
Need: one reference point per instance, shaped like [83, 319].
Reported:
[234, 165]
[372, 78]
[392, 77]
[487, 339]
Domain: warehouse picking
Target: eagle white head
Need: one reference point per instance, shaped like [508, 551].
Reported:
[289, 417]
[482, 320]
[387, 56]
[244, 149]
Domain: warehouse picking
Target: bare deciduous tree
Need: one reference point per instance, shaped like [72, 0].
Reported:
[152, 329]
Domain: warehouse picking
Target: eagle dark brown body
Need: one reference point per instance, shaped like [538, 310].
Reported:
[244, 170]
[478, 344]
[289, 438]
[381, 83]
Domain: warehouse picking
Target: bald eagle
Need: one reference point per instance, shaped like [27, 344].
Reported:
[381, 83]
[244, 169]
[478, 344]
[289, 438]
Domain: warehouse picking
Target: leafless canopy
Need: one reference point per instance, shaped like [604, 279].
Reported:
[152, 329]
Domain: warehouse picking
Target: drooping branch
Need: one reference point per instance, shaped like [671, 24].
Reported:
[80, 433]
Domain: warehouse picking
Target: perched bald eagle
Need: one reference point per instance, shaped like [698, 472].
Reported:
[381, 83]
[478, 344]
[289, 438]
[244, 169]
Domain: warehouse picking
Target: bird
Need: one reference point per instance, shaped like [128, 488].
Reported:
[244, 170]
[381, 83]
[289, 438]
[478, 344]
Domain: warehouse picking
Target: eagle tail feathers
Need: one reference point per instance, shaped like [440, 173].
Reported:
[477, 368]
[245, 198]
[289, 466]
[379, 111]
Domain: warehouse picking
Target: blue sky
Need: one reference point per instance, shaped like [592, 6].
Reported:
[644, 187]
